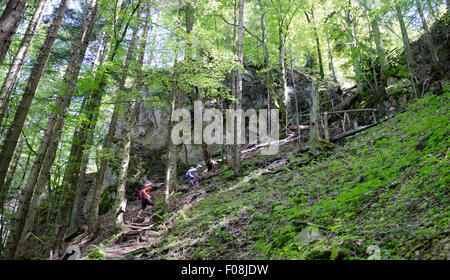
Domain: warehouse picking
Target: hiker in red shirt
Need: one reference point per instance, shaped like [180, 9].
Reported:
[144, 195]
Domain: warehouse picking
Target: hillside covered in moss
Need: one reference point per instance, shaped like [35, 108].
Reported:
[384, 194]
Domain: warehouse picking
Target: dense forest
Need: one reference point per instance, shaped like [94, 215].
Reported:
[350, 100]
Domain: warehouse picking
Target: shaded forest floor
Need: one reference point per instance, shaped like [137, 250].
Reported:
[387, 186]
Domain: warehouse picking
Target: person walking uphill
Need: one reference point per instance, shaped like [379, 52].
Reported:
[192, 177]
[144, 196]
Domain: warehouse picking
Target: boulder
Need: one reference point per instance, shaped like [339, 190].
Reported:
[309, 235]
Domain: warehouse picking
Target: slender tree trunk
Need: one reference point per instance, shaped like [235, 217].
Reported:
[233, 72]
[266, 60]
[380, 51]
[355, 50]
[25, 215]
[379, 45]
[170, 172]
[9, 179]
[4, 113]
[121, 201]
[297, 113]
[86, 129]
[9, 22]
[24, 106]
[171, 156]
[316, 38]
[129, 121]
[284, 93]
[330, 55]
[314, 123]
[409, 57]
[237, 146]
[107, 146]
[21, 52]
[3, 229]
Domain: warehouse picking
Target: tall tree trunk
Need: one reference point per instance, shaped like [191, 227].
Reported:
[283, 93]
[129, 121]
[409, 57]
[21, 52]
[380, 51]
[368, 6]
[25, 215]
[3, 197]
[330, 55]
[266, 60]
[27, 98]
[314, 130]
[3, 227]
[121, 201]
[297, 113]
[171, 155]
[316, 38]
[4, 112]
[170, 172]
[107, 146]
[237, 146]
[11, 172]
[85, 131]
[9, 22]
[355, 50]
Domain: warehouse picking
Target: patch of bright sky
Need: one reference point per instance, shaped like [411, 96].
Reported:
[73, 4]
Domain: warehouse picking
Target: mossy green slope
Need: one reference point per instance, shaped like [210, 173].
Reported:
[388, 186]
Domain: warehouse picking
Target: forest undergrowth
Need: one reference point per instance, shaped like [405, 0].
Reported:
[383, 194]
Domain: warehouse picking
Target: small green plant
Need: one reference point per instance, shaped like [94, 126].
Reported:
[228, 175]
[97, 252]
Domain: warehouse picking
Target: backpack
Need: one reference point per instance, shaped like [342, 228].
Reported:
[139, 195]
[186, 176]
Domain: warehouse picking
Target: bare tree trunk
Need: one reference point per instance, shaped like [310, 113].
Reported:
[316, 38]
[314, 123]
[121, 201]
[11, 172]
[170, 172]
[9, 179]
[379, 44]
[92, 111]
[4, 198]
[21, 52]
[408, 51]
[9, 22]
[129, 121]
[380, 51]
[297, 113]
[284, 94]
[171, 159]
[266, 60]
[237, 146]
[107, 146]
[5, 110]
[330, 55]
[62, 102]
[355, 51]
[24, 106]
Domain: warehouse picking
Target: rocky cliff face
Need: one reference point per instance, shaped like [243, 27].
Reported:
[398, 89]
[150, 132]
